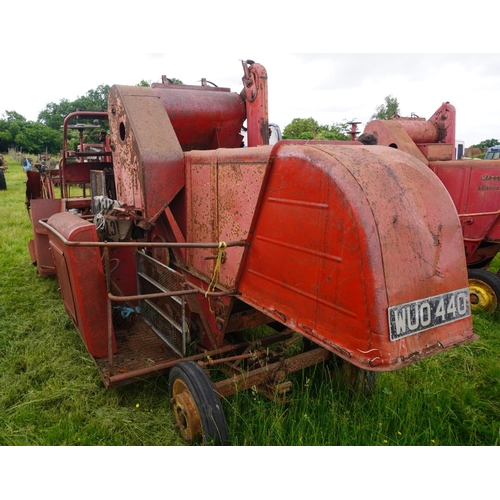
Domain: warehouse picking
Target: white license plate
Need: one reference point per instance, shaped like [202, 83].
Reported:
[420, 315]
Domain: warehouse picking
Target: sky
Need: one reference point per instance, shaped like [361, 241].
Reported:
[332, 61]
[329, 87]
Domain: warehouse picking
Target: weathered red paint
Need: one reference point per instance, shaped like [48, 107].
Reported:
[81, 279]
[474, 186]
[39, 245]
[318, 237]
[255, 88]
[341, 234]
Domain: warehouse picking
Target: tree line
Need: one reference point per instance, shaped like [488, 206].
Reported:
[309, 129]
[45, 134]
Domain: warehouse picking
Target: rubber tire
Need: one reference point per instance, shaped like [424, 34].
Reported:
[492, 280]
[213, 420]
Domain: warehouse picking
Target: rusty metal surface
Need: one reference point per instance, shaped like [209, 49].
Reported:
[42, 209]
[342, 234]
[419, 129]
[204, 119]
[445, 120]
[392, 133]
[148, 160]
[138, 348]
[437, 152]
[33, 186]
[319, 236]
[475, 188]
[81, 278]
[222, 188]
[272, 374]
[255, 88]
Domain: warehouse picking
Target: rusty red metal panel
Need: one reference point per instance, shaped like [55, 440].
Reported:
[81, 278]
[204, 119]
[42, 209]
[222, 188]
[445, 120]
[341, 235]
[255, 88]
[419, 129]
[392, 133]
[475, 189]
[438, 151]
[478, 183]
[33, 186]
[123, 270]
[148, 160]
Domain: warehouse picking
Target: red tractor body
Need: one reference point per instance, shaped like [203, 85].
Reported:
[197, 239]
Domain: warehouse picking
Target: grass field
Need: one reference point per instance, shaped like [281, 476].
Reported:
[51, 393]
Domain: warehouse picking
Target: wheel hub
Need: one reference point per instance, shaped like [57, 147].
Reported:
[482, 296]
[187, 418]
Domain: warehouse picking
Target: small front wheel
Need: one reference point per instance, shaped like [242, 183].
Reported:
[197, 408]
[484, 288]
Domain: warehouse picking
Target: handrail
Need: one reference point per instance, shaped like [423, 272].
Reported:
[139, 244]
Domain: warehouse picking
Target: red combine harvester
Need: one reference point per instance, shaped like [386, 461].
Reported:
[473, 185]
[187, 240]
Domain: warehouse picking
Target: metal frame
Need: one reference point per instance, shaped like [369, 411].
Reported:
[267, 370]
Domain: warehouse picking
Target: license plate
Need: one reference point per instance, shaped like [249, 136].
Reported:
[424, 314]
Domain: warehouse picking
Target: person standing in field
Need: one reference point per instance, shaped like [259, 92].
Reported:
[3, 182]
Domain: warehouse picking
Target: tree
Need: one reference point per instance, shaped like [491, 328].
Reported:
[387, 110]
[308, 129]
[46, 133]
[486, 144]
[54, 114]
[301, 128]
[13, 116]
[5, 140]
[11, 125]
[94, 100]
[334, 132]
[147, 83]
[16, 131]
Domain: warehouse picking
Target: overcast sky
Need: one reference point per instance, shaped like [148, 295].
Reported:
[330, 88]
[56, 50]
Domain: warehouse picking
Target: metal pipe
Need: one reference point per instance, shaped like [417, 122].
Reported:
[123, 378]
[255, 377]
[480, 214]
[139, 244]
[110, 313]
[120, 298]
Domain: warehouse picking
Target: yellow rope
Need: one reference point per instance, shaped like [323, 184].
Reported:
[215, 275]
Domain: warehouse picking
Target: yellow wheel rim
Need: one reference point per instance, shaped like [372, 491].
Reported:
[482, 296]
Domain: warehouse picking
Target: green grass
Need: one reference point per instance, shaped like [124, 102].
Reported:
[51, 393]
